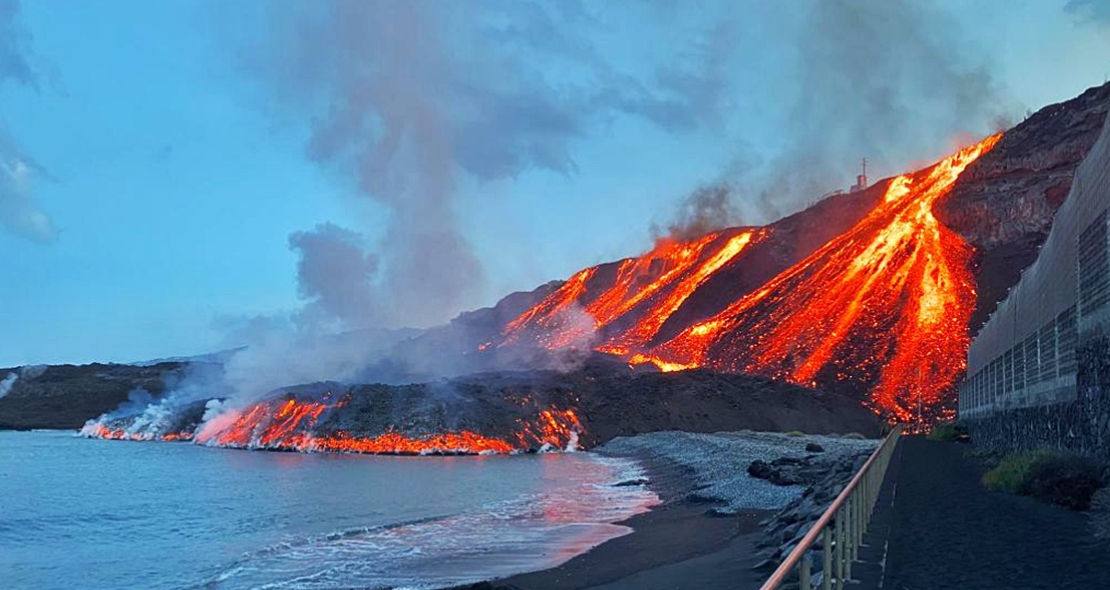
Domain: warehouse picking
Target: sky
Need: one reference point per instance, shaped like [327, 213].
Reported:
[173, 173]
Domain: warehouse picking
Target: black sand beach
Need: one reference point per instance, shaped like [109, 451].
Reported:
[677, 545]
[674, 546]
[704, 533]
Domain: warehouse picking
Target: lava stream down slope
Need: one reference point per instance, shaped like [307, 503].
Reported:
[883, 307]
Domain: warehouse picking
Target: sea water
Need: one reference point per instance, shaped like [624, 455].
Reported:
[89, 514]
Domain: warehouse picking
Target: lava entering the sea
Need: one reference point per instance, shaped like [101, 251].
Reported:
[884, 306]
[294, 425]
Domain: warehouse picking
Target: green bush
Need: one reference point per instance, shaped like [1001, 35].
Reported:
[948, 432]
[855, 436]
[1055, 476]
[796, 434]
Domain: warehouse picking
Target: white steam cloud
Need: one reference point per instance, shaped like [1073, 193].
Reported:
[8, 382]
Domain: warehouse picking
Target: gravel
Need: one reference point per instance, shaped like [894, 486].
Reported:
[718, 462]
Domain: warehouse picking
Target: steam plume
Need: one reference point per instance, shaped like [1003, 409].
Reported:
[406, 98]
[8, 382]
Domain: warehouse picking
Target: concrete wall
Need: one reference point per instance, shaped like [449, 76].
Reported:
[1035, 374]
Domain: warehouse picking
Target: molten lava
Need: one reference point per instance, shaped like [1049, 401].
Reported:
[293, 424]
[886, 303]
[101, 430]
[884, 306]
[646, 291]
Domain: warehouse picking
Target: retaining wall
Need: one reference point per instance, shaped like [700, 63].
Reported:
[1038, 371]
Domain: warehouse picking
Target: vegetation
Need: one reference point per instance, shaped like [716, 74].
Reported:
[855, 436]
[796, 433]
[949, 432]
[1062, 478]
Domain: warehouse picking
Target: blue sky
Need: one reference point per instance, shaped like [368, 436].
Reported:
[174, 147]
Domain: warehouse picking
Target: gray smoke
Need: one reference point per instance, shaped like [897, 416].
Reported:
[335, 274]
[708, 208]
[896, 82]
[406, 98]
[893, 81]
[19, 214]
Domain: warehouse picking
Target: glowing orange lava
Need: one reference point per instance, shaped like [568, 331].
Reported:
[292, 425]
[884, 306]
[886, 303]
[659, 281]
[100, 430]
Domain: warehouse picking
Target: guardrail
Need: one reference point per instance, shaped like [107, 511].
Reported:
[840, 527]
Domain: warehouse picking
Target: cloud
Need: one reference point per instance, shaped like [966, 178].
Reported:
[19, 213]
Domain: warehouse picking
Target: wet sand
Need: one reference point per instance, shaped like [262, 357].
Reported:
[676, 545]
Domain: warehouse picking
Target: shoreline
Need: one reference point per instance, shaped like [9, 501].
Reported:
[706, 531]
[671, 545]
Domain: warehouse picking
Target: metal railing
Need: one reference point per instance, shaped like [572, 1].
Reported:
[840, 527]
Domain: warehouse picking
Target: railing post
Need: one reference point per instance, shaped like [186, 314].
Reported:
[803, 573]
[850, 513]
[826, 575]
[859, 527]
[840, 549]
[854, 502]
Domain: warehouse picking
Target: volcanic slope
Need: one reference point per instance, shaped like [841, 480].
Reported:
[868, 293]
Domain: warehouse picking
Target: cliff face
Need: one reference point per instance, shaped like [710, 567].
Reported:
[1004, 203]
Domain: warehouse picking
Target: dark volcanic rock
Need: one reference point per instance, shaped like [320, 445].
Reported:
[610, 399]
[65, 396]
[784, 529]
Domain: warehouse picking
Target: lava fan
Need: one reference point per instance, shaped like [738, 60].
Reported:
[883, 307]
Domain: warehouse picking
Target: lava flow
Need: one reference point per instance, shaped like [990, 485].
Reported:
[886, 305]
[882, 308]
[646, 291]
[293, 425]
[95, 429]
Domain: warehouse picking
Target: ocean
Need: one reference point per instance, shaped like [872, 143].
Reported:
[89, 514]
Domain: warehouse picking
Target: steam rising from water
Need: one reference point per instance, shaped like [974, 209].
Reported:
[7, 383]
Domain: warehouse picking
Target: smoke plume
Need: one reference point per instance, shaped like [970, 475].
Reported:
[335, 274]
[408, 98]
[895, 82]
[706, 209]
[19, 214]
[8, 382]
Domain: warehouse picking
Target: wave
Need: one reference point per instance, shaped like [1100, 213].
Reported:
[528, 532]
